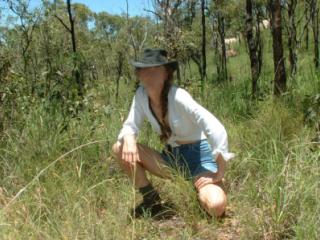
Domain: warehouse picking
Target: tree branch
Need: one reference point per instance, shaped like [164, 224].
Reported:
[61, 21]
[157, 14]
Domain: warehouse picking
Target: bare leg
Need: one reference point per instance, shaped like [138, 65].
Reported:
[150, 160]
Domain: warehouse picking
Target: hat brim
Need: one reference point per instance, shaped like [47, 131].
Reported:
[136, 64]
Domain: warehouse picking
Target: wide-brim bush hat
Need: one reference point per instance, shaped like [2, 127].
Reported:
[153, 57]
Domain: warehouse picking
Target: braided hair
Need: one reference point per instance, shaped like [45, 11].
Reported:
[165, 128]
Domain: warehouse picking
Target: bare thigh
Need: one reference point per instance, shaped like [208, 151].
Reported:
[150, 159]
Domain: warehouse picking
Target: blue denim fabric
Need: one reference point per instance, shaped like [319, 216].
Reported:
[190, 159]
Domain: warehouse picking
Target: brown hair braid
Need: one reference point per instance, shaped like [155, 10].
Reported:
[165, 128]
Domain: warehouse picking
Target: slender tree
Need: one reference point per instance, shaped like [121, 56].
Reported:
[280, 79]
[254, 47]
[77, 65]
[223, 73]
[203, 50]
[314, 14]
[292, 37]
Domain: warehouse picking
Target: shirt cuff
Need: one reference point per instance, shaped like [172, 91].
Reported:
[124, 133]
[226, 155]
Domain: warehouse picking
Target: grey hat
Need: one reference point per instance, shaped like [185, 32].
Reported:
[154, 57]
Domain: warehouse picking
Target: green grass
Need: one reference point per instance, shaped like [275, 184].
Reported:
[273, 183]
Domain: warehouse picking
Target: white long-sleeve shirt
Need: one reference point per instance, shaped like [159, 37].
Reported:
[189, 121]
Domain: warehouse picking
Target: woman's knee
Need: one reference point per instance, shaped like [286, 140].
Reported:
[116, 151]
[213, 198]
[217, 207]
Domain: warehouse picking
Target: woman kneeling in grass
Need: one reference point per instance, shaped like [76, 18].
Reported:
[195, 140]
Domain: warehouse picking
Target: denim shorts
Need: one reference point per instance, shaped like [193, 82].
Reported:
[190, 159]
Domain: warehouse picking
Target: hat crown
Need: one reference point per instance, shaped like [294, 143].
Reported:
[157, 51]
[154, 56]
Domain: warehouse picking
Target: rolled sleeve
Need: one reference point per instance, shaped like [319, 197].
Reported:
[135, 118]
[212, 127]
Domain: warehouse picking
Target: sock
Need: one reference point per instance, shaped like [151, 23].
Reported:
[150, 195]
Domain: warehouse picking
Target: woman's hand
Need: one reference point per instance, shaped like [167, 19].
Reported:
[130, 150]
[209, 177]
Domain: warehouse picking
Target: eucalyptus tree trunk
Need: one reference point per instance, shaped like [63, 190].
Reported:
[254, 47]
[223, 56]
[314, 14]
[203, 50]
[278, 57]
[292, 38]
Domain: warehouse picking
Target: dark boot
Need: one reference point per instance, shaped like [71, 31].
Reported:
[151, 209]
[151, 203]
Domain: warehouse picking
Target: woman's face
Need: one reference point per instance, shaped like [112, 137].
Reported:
[152, 78]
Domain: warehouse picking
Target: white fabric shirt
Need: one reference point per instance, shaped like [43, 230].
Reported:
[187, 118]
